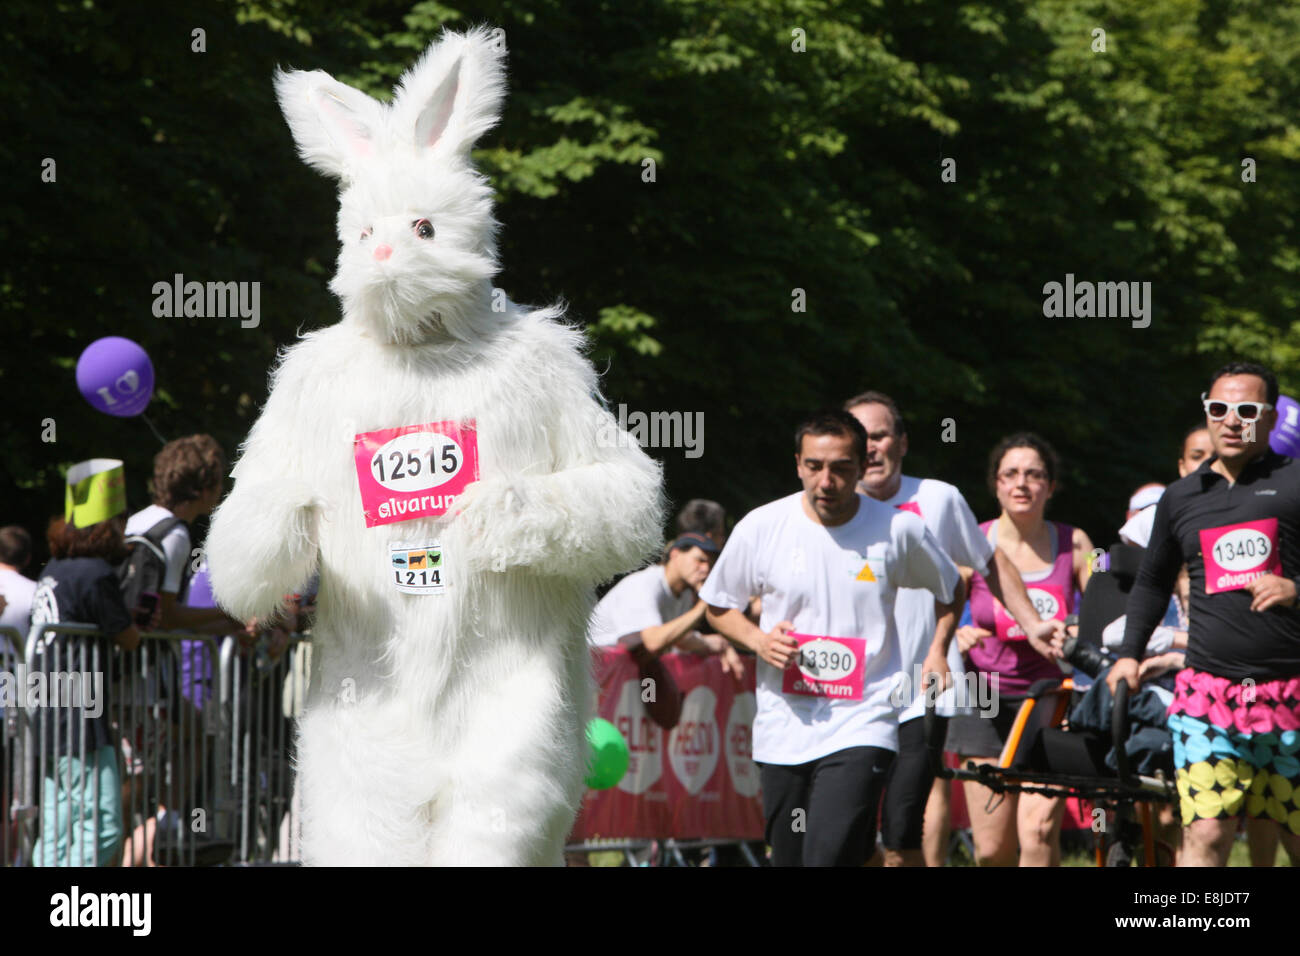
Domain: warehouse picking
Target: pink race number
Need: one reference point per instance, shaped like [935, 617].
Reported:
[416, 471]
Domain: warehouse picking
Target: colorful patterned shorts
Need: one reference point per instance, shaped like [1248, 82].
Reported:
[1237, 748]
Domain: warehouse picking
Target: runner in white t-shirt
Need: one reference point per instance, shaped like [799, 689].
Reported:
[915, 813]
[827, 563]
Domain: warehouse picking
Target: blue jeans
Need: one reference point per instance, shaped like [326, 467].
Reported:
[68, 803]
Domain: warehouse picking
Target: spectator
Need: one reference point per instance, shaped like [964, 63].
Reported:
[1141, 513]
[79, 585]
[656, 608]
[188, 481]
[710, 519]
[15, 611]
[15, 590]
[705, 517]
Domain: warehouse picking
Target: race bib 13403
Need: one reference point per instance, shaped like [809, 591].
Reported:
[416, 471]
[1237, 554]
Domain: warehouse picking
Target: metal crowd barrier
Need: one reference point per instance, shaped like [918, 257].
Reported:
[266, 698]
[187, 758]
[192, 763]
[11, 651]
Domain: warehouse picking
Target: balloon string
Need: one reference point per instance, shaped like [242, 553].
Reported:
[152, 429]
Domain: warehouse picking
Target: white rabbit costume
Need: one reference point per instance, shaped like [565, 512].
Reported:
[445, 727]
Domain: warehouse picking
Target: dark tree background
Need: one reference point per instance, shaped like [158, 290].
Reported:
[775, 170]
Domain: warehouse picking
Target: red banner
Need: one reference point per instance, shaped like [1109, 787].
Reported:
[697, 781]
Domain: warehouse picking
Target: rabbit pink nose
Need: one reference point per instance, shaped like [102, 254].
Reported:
[382, 252]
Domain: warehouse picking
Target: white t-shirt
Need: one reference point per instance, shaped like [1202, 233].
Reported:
[1137, 530]
[815, 577]
[642, 599]
[948, 517]
[17, 591]
[176, 545]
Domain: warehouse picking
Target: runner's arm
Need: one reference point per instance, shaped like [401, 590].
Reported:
[1082, 558]
[1149, 599]
[732, 624]
[947, 615]
[1006, 584]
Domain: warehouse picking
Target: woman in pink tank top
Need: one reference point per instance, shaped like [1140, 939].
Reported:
[1053, 561]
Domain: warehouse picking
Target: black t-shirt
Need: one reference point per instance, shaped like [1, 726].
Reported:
[1225, 637]
[77, 591]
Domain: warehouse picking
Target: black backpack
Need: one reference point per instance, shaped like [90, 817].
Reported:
[145, 567]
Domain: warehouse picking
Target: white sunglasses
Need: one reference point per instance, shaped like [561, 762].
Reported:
[1217, 409]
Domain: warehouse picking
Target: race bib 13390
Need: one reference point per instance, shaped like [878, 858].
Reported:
[416, 471]
[826, 667]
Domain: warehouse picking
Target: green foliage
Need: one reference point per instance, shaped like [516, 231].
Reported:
[775, 170]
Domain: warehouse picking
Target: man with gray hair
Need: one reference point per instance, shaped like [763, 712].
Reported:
[924, 634]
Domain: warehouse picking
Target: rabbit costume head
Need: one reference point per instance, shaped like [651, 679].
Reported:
[415, 218]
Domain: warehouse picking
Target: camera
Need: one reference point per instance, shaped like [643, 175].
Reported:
[1089, 658]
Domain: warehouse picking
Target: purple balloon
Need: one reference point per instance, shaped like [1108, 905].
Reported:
[115, 375]
[1285, 436]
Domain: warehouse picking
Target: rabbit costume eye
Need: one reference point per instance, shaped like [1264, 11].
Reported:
[367, 232]
[423, 228]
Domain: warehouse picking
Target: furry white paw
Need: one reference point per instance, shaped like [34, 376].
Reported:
[497, 528]
[261, 546]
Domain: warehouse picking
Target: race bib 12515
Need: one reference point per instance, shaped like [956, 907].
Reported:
[416, 471]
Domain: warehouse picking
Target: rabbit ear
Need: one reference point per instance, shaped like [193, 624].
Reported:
[334, 125]
[453, 95]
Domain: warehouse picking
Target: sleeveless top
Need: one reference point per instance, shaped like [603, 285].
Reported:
[1016, 662]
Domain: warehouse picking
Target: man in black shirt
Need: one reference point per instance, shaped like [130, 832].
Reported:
[1235, 717]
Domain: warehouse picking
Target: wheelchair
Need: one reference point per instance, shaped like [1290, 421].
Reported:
[1044, 755]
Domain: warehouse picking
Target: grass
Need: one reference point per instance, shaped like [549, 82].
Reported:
[1239, 856]
[1070, 856]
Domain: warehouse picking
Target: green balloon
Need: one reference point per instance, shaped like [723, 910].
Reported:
[609, 755]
